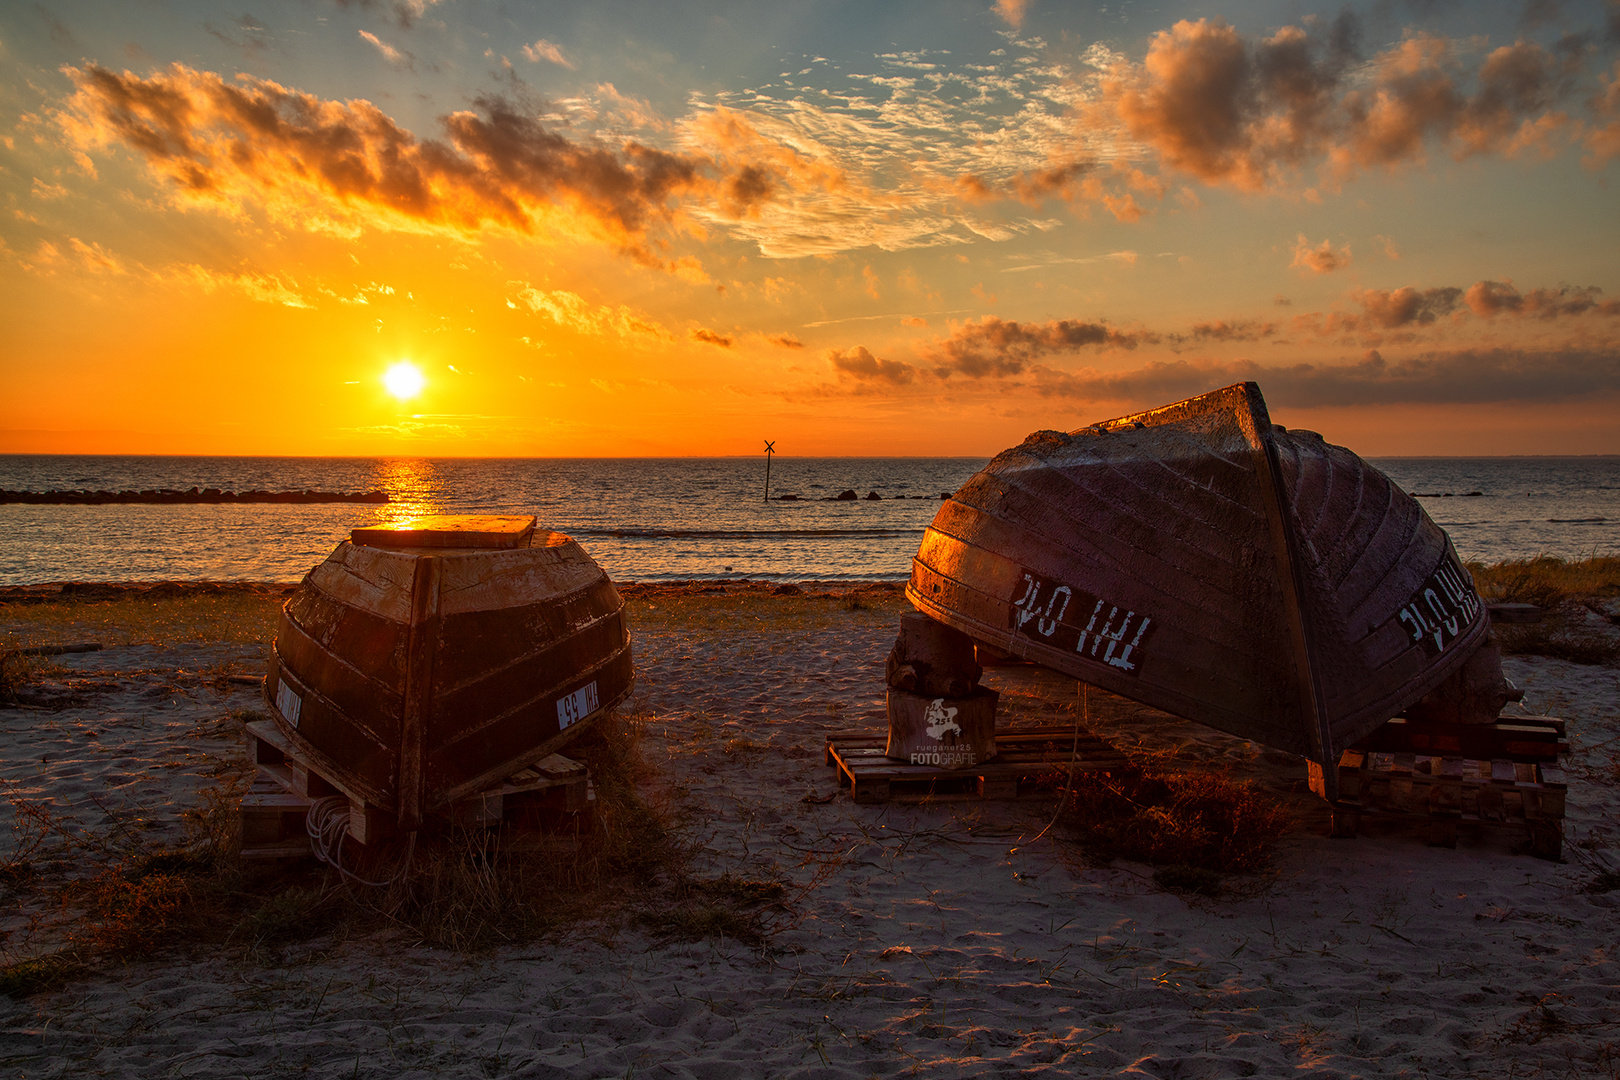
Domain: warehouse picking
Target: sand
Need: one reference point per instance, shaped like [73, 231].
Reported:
[939, 941]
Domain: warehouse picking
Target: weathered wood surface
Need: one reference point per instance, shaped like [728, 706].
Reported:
[414, 677]
[1201, 560]
[947, 732]
[1024, 759]
[448, 531]
[932, 659]
[1504, 775]
[274, 809]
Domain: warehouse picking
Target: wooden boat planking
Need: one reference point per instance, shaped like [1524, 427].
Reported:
[414, 674]
[1204, 561]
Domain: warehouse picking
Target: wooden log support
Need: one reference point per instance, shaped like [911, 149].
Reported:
[932, 659]
[945, 732]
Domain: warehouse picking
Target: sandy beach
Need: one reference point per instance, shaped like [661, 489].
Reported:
[961, 939]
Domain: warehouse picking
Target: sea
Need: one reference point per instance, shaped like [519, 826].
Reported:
[664, 519]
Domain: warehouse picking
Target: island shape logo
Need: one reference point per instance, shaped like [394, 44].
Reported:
[940, 720]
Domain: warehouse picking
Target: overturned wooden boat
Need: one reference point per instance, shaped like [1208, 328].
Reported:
[424, 662]
[1202, 560]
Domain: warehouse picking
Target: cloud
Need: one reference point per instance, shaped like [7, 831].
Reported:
[1491, 298]
[1012, 11]
[391, 54]
[262, 288]
[1321, 259]
[1222, 330]
[574, 312]
[347, 166]
[1603, 137]
[1391, 308]
[710, 337]
[1001, 347]
[785, 341]
[1462, 377]
[545, 50]
[1237, 111]
[860, 365]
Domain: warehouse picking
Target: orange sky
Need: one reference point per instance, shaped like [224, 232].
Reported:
[928, 229]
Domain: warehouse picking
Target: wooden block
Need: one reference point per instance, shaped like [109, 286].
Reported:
[1503, 772]
[308, 783]
[370, 824]
[1547, 839]
[874, 790]
[1346, 821]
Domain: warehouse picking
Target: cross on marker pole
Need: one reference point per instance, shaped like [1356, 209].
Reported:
[770, 448]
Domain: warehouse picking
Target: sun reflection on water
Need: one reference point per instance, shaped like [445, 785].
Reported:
[414, 488]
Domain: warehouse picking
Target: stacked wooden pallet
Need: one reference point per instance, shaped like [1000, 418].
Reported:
[1023, 758]
[276, 807]
[1503, 775]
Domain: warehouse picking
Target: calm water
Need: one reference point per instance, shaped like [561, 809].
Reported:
[664, 518]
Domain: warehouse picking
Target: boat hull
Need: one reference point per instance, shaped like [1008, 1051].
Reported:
[1200, 560]
[415, 676]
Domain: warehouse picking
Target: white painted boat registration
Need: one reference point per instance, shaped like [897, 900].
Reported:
[578, 705]
[290, 704]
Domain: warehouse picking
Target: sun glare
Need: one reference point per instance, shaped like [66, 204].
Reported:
[403, 380]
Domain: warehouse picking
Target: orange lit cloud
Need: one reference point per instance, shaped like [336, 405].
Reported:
[859, 364]
[1491, 298]
[338, 165]
[574, 312]
[995, 346]
[1012, 11]
[1229, 110]
[1322, 259]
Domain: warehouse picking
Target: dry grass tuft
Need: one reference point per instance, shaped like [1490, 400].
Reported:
[1547, 582]
[1195, 826]
[1558, 638]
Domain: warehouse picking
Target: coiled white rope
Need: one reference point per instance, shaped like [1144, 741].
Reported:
[327, 824]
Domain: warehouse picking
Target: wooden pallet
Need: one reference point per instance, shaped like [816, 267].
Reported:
[1503, 775]
[1023, 756]
[275, 807]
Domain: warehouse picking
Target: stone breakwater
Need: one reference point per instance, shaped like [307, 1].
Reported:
[193, 495]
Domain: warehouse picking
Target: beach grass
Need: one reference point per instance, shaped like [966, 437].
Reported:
[155, 615]
[105, 897]
[1570, 593]
[1546, 581]
[1193, 826]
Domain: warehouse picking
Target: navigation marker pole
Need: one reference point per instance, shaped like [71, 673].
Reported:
[770, 448]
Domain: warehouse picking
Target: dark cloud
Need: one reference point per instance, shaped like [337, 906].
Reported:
[1228, 109]
[254, 141]
[1491, 298]
[1463, 377]
[1222, 330]
[860, 365]
[786, 341]
[995, 346]
[710, 337]
[1392, 308]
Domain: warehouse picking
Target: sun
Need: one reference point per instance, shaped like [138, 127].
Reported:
[403, 380]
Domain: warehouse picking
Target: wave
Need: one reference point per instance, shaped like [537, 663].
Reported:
[1576, 521]
[739, 534]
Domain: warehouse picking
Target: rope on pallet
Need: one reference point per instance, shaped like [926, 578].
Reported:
[327, 824]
